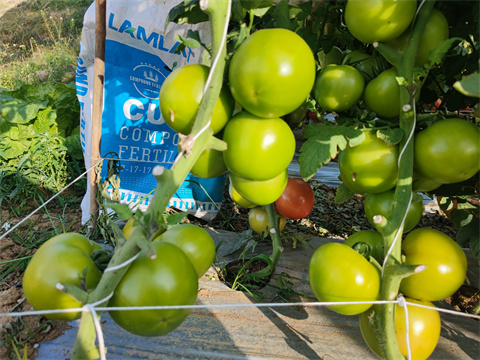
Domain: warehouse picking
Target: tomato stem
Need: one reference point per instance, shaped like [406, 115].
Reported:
[393, 271]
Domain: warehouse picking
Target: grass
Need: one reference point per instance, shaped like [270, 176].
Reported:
[39, 41]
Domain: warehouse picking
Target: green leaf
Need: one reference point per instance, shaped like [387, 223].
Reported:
[122, 210]
[436, 55]
[281, 16]
[390, 136]
[19, 111]
[343, 194]
[130, 30]
[469, 234]
[469, 85]
[45, 120]
[174, 218]
[322, 145]
[187, 12]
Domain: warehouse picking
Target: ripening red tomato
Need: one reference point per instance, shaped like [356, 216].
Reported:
[296, 201]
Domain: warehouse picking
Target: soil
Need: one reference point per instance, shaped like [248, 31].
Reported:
[326, 220]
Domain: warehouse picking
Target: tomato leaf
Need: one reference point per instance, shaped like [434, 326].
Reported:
[257, 7]
[187, 12]
[122, 210]
[390, 136]
[343, 194]
[437, 54]
[322, 145]
[469, 85]
[470, 234]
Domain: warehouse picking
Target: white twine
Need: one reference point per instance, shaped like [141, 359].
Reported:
[98, 328]
[402, 303]
[119, 266]
[49, 200]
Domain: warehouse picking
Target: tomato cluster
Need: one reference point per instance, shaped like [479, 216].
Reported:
[183, 255]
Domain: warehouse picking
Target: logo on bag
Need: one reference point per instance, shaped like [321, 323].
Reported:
[148, 79]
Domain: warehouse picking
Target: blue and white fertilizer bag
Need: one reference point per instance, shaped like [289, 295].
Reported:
[139, 55]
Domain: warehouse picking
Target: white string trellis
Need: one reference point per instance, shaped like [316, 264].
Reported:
[93, 309]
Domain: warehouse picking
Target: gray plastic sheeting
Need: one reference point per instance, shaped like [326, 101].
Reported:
[262, 332]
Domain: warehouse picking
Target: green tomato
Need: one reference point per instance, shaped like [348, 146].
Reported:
[448, 151]
[195, 242]
[128, 228]
[210, 164]
[338, 88]
[338, 273]
[257, 148]
[374, 240]
[424, 326]
[445, 260]
[60, 260]
[370, 66]
[258, 220]
[272, 72]
[378, 20]
[169, 279]
[181, 95]
[333, 57]
[239, 199]
[370, 167]
[382, 95]
[295, 118]
[260, 192]
[435, 32]
[423, 184]
[382, 204]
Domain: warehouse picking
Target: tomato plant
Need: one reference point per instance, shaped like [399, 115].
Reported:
[372, 238]
[181, 95]
[259, 222]
[338, 87]
[448, 151]
[370, 167]
[63, 259]
[258, 148]
[195, 242]
[445, 260]
[338, 273]
[296, 201]
[260, 192]
[175, 283]
[272, 72]
[383, 203]
[424, 326]
[378, 20]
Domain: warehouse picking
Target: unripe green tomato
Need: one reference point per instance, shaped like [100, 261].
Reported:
[260, 192]
[382, 95]
[258, 220]
[435, 32]
[210, 164]
[257, 148]
[128, 228]
[423, 184]
[295, 118]
[448, 151]
[378, 20]
[334, 56]
[338, 88]
[337, 273]
[239, 199]
[195, 242]
[370, 167]
[445, 260]
[272, 72]
[382, 204]
[424, 326]
[60, 260]
[181, 95]
[175, 282]
[373, 238]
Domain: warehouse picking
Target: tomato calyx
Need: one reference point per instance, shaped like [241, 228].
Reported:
[101, 258]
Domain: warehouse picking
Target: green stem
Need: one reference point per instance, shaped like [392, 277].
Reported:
[168, 181]
[393, 229]
[277, 248]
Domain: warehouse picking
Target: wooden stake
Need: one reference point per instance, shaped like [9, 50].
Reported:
[97, 104]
